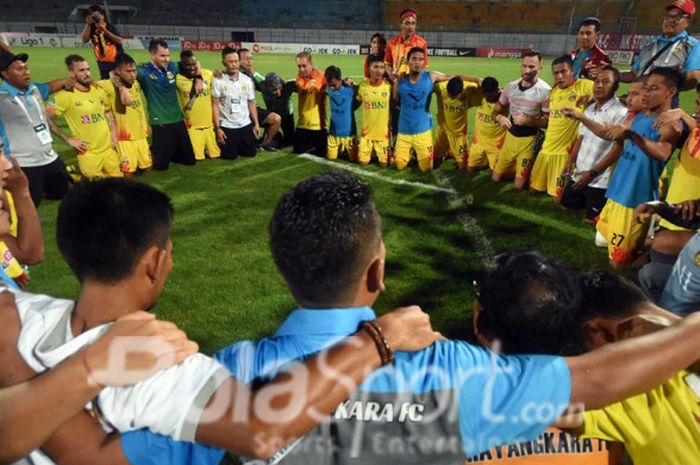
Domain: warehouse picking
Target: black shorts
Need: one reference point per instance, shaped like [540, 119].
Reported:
[48, 181]
[240, 141]
[592, 199]
[171, 142]
[311, 141]
[287, 131]
[262, 116]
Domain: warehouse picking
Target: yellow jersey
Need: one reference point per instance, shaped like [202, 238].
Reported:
[312, 101]
[376, 109]
[562, 132]
[85, 114]
[685, 182]
[132, 121]
[199, 116]
[661, 426]
[486, 128]
[452, 112]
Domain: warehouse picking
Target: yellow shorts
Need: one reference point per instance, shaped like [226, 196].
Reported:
[447, 144]
[340, 145]
[379, 147]
[105, 164]
[546, 173]
[625, 236]
[516, 156]
[204, 143]
[134, 154]
[421, 143]
[484, 153]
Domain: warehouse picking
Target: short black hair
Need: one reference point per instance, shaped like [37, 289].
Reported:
[609, 295]
[374, 59]
[241, 50]
[489, 84]
[155, 43]
[530, 303]
[186, 54]
[616, 75]
[70, 60]
[96, 9]
[332, 72]
[228, 51]
[533, 53]
[590, 21]
[105, 226]
[323, 234]
[380, 36]
[672, 77]
[563, 59]
[455, 86]
[414, 50]
[123, 59]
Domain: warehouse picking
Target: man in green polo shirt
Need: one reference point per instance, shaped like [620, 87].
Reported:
[170, 139]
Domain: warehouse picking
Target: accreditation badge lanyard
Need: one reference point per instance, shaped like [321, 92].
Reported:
[41, 129]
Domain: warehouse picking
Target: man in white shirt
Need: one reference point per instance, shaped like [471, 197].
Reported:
[234, 110]
[590, 162]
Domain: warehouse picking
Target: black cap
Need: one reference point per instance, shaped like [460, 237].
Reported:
[7, 58]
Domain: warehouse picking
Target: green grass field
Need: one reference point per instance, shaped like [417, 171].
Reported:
[224, 285]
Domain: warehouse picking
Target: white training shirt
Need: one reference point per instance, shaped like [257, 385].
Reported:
[234, 95]
[530, 102]
[593, 148]
[169, 403]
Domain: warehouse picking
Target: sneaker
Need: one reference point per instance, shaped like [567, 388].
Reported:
[600, 240]
[268, 146]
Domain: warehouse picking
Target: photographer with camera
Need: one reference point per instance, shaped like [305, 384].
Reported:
[106, 42]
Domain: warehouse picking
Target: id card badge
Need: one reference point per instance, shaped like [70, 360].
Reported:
[235, 106]
[42, 132]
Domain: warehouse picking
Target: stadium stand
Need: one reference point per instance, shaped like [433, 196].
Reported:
[507, 16]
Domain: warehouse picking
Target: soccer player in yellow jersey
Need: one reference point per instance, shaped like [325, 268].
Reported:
[454, 98]
[685, 182]
[562, 131]
[132, 123]
[374, 96]
[197, 106]
[94, 133]
[662, 425]
[488, 134]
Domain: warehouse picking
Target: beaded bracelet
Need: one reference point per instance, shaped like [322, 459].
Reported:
[375, 332]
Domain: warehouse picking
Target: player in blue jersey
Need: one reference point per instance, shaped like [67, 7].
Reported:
[442, 403]
[341, 137]
[636, 176]
[412, 93]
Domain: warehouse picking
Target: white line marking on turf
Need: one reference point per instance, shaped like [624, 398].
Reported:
[470, 225]
[482, 245]
[371, 174]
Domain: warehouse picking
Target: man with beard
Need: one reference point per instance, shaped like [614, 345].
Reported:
[92, 126]
[525, 99]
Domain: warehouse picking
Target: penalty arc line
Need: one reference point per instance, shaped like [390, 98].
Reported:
[370, 174]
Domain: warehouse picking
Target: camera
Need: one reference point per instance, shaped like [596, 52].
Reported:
[96, 18]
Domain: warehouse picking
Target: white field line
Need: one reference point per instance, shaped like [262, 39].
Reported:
[471, 227]
[371, 174]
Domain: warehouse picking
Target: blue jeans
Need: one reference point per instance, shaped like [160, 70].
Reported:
[682, 291]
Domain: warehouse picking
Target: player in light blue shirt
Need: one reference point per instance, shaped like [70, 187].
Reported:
[341, 137]
[442, 404]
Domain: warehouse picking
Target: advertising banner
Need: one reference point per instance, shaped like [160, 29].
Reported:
[209, 45]
[500, 52]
